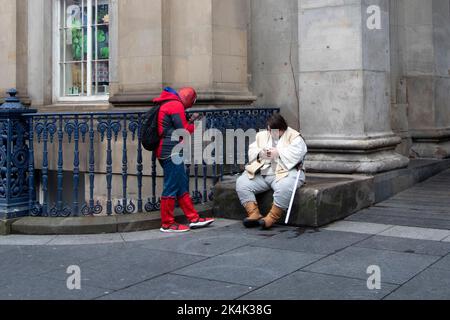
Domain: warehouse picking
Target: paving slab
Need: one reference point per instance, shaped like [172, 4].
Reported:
[218, 224]
[128, 267]
[396, 267]
[72, 253]
[432, 248]
[358, 227]
[29, 261]
[312, 286]
[145, 235]
[251, 266]
[416, 233]
[425, 222]
[204, 244]
[444, 263]
[63, 240]
[4, 249]
[41, 288]
[32, 240]
[406, 205]
[418, 200]
[239, 229]
[14, 264]
[431, 198]
[402, 212]
[432, 284]
[176, 287]
[318, 242]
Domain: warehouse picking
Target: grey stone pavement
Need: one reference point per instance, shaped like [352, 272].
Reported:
[407, 237]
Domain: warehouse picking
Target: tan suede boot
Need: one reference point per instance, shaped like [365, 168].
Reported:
[253, 215]
[272, 217]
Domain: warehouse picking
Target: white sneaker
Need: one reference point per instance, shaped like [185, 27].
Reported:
[201, 223]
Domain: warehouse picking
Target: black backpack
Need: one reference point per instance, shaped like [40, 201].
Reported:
[149, 132]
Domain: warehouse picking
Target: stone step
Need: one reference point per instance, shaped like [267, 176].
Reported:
[324, 199]
[327, 197]
[97, 225]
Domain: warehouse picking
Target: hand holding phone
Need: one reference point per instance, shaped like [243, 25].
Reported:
[272, 153]
[195, 117]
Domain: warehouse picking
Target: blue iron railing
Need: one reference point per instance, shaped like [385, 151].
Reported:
[87, 129]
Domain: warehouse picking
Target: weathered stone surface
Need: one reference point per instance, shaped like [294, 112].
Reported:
[113, 271]
[95, 225]
[31, 289]
[304, 286]
[397, 267]
[4, 230]
[432, 284]
[249, 266]
[432, 248]
[174, 287]
[327, 198]
[324, 199]
[5, 226]
[316, 242]
[345, 76]
[424, 205]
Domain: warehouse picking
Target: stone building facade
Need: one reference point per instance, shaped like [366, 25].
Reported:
[366, 98]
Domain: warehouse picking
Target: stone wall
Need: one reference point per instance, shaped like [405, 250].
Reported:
[424, 33]
[361, 97]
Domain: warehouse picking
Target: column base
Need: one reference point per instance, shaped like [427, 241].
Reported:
[355, 155]
[355, 163]
[434, 144]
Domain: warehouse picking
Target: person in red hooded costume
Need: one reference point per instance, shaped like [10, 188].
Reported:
[172, 116]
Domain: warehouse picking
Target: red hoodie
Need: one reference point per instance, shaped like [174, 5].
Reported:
[172, 116]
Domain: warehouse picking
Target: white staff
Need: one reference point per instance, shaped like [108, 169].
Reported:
[293, 197]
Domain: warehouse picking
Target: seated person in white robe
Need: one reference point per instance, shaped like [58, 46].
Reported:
[275, 158]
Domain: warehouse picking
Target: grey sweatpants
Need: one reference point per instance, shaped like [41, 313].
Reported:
[248, 189]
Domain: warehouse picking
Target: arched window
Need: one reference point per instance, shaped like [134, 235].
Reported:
[81, 50]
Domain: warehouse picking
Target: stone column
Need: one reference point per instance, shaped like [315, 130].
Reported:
[425, 34]
[399, 101]
[274, 56]
[205, 46]
[138, 34]
[14, 47]
[40, 29]
[345, 88]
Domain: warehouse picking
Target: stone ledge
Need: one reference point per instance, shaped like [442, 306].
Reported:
[94, 225]
[5, 226]
[205, 97]
[324, 199]
[327, 198]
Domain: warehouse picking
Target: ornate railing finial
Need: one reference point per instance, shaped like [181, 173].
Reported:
[12, 102]
[12, 92]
